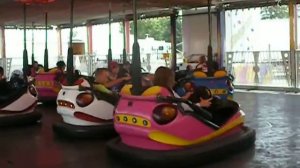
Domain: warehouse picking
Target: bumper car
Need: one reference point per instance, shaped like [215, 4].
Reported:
[86, 113]
[155, 129]
[17, 106]
[220, 84]
[47, 86]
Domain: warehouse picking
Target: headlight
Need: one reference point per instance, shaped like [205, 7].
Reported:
[164, 114]
[84, 99]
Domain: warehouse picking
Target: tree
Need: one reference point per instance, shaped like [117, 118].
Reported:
[158, 28]
[274, 12]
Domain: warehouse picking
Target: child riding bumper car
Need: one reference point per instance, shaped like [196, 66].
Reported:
[220, 84]
[48, 83]
[155, 129]
[18, 101]
[86, 113]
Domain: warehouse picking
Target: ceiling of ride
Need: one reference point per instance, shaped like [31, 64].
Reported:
[11, 11]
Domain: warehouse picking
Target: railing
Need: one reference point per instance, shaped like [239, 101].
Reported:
[88, 63]
[260, 68]
[6, 63]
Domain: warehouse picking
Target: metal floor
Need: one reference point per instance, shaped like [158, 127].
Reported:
[274, 116]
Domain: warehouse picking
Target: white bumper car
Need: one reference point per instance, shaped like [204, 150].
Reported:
[17, 106]
[86, 113]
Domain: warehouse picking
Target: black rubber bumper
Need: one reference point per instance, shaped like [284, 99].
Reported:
[20, 119]
[81, 132]
[192, 156]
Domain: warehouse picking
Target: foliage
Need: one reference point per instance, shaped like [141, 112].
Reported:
[158, 28]
[274, 12]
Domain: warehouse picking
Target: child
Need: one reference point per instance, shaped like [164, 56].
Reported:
[36, 68]
[59, 71]
[202, 66]
[165, 77]
[101, 78]
[115, 82]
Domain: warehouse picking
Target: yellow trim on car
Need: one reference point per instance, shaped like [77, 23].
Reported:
[218, 91]
[132, 120]
[166, 138]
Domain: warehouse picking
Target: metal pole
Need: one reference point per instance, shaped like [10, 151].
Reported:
[221, 38]
[209, 48]
[127, 33]
[124, 42]
[71, 24]
[46, 64]
[3, 52]
[25, 54]
[136, 62]
[292, 62]
[70, 63]
[59, 45]
[90, 38]
[173, 40]
[109, 56]
[32, 44]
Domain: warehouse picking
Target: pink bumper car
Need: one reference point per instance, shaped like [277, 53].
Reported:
[47, 86]
[158, 130]
[86, 113]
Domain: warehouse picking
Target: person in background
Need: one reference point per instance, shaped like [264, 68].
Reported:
[189, 71]
[17, 79]
[202, 65]
[2, 77]
[114, 69]
[115, 82]
[101, 79]
[59, 70]
[102, 76]
[125, 70]
[35, 69]
[4, 86]
[61, 66]
[164, 77]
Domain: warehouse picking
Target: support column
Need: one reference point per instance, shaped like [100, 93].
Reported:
[209, 48]
[173, 40]
[136, 60]
[292, 9]
[90, 38]
[221, 28]
[70, 61]
[124, 42]
[46, 63]
[127, 33]
[25, 54]
[32, 44]
[59, 42]
[2, 42]
[109, 56]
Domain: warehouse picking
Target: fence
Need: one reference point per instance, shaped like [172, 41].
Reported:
[6, 63]
[88, 63]
[261, 68]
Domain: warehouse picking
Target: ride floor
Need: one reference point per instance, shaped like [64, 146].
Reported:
[275, 116]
